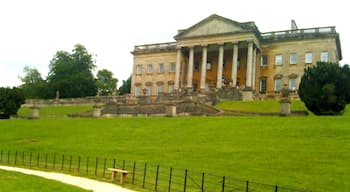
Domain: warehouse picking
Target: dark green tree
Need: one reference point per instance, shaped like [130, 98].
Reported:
[71, 73]
[126, 87]
[10, 101]
[106, 84]
[323, 88]
[33, 85]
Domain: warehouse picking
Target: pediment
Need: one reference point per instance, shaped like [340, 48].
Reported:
[213, 25]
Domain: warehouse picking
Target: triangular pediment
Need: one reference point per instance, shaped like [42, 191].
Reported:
[213, 25]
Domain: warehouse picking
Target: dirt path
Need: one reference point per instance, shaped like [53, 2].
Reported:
[81, 182]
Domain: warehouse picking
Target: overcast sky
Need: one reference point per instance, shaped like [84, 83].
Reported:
[31, 31]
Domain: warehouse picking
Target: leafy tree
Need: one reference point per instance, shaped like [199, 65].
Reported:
[324, 88]
[34, 86]
[126, 87]
[71, 73]
[106, 84]
[10, 101]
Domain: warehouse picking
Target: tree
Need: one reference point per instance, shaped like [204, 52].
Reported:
[106, 84]
[10, 101]
[324, 88]
[126, 87]
[71, 73]
[34, 86]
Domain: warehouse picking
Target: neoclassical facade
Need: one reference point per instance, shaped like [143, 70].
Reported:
[218, 53]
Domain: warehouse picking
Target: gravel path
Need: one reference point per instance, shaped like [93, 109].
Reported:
[81, 182]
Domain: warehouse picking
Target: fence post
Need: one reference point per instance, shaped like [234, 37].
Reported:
[156, 184]
[54, 160]
[96, 166]
[185, 181]
[203, 175]
[16, 158]
[113, 163]
[70, 163]
[144, 176]
[78, 163]
[170, 177]
[22, 157]
[8, 157]
[1, 156]
[133, 173]
[223, 183]
[124, 164]
[46, 161]
[38, 159]
[62, 163]
[276, 188]
[87, 165]
[104, 167]
[30, 159]
[247, 186]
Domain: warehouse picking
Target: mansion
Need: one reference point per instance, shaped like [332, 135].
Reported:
[221, 54]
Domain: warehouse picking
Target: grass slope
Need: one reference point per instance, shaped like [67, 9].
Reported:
[304, 152]
[258, 106]
[17, 182]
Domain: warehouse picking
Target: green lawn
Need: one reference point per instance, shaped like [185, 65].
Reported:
[259, 106]
[301, 152]
[18, 182]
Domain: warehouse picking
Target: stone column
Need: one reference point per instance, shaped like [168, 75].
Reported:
[190, 68]
[177, 69]
[220, 66]
[254, 67]
[248, 82]
[34, 112]
[203, 68]
[234, 64]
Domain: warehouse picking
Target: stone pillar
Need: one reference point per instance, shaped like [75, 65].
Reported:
[285, 101]
[34, 112]
[203, 68]
[190, 68]
[170, 110]
[248, 82]
[177, 69]
[97, 110]
[254, 68]
[234, 64]
[220, 66]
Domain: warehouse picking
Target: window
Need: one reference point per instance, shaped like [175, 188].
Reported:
[264, 60]
[159, 89]
[137, 91]
[171, 88]
[293, 58]
[149, 68]
[277, 84]
[196, 66]
[263, 84]
[148, 90]
[292, 84]
[194, 87]
[308, 58]
[278, 59]
[161, 68]
[208, 65]
[138, 69]
[172, 67]
[206, 86]
[238, 64]
[324, 56]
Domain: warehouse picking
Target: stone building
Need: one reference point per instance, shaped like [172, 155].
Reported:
[221, 54]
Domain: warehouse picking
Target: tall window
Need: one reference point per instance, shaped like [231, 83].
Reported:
[293, 58]
[138, 69]
[264, 60]
[324, 56]
[308, 58]
[137, 91]
[171, 88]
[172, 67]
[196, 66]
[161, 68]
[278, 59]
[278, 84]
[208, 65]
[263, 84]
[149, 90]
[292, 84]
[159, 89]
[149, 68]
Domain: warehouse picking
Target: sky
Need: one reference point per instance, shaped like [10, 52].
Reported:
[32, 31]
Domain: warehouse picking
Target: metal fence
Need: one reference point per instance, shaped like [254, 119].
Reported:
[143, 175]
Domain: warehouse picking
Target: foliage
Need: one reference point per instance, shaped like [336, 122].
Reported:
[12, 181]
[126, 87]
[324, 88]
[106, 84]
[34, 86]
[71, 73]
[303, 152]
[10, 101]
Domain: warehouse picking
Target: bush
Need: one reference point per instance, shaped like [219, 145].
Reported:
[10, 101]
[324, 88]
